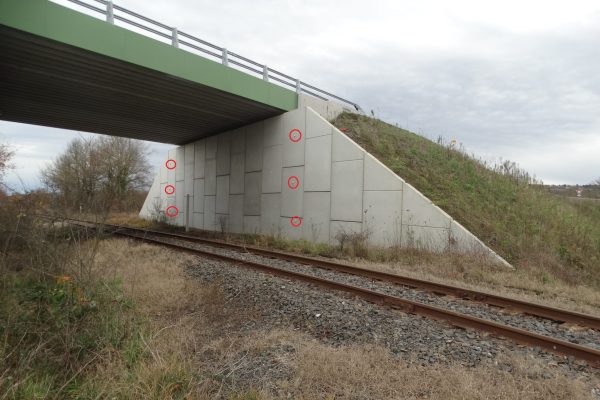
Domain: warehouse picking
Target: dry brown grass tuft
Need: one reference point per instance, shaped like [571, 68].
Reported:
[372, 373]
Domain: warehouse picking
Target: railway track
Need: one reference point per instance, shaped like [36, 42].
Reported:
[591, 355]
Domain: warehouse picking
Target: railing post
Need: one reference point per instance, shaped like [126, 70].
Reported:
[265, 73]
[110, 15]
[175, 38]
[225, 57]
[298, 87]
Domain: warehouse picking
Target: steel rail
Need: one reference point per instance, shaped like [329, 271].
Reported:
[557, 346]
[540, 310]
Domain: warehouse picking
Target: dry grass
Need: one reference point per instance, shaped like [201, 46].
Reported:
[195, 338]
[372, 373]
[525, 284]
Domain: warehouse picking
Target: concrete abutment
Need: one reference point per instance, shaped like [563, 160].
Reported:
[297, 176]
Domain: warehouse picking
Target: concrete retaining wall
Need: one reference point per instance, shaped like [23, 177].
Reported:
[298, 176]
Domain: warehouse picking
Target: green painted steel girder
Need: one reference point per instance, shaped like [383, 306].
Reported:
[62, 68]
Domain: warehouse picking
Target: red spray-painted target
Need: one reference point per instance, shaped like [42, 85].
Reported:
[295, 221]
[295, 135]
[172, 211]
[293, 182]
[171, 164]
[169, 189]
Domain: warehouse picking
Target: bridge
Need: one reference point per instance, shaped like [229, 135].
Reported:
[257, 152]
[62, 68]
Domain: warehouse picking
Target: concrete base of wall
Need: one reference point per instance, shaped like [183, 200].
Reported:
[298, 176]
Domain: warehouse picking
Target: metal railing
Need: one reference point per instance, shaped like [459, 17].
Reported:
[113, 13]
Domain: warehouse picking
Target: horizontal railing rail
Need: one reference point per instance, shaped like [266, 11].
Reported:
[159, 31]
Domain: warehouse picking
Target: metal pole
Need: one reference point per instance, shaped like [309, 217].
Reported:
[225, 57]
[187, 212]
[265, 73]
[298, 88]
[110, 15]
[175, 38]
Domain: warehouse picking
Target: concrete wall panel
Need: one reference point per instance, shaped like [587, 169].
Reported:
[347, 191]
[171, 172]
[328, 109]
[180, 159]
[315, 225]
[252, 193]
[198, 220]
[338, 228]
[151, 198]
[379, 177]
[180, 196]
[199, 158]
[254, 147]
[188, 176]
[209, 213]
[316, 125]
[198, 196]
[189, 153]
[425, 238]
[271, 173]
[273, 132]
[293, 152]
[211, 147]
[288, 230]
[236, 213]
[236, 178]
[222, 206]
[223, 153]
[251, 224]
[317, 169]
[222, 223]
[463, 239]
[419, 210]
[291, 199]
[238, 141]
[270, 209]
[210, 177]
[382, 216]
[345, 149]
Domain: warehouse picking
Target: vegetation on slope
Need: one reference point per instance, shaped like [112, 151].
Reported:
[528, 226]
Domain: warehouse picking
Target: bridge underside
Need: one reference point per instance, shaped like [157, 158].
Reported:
[45, 82]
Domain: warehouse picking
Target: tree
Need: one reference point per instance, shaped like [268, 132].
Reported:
[99, 173]
[5, 156]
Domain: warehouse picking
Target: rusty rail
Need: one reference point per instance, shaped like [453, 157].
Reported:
[592, 356]
[540, 310]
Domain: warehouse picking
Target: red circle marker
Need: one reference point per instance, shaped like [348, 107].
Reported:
[169, 189]
[296, 221]
[171, 164]
[295, 135]
[172, 211]
[293, 182]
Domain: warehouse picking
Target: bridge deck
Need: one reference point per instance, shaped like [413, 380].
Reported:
[65, 69]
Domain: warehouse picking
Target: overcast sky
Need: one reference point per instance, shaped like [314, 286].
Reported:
[516, 80]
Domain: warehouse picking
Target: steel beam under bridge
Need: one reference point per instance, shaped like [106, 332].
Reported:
[65, 69]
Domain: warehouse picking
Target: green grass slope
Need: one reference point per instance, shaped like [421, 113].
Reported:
[528, 226]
